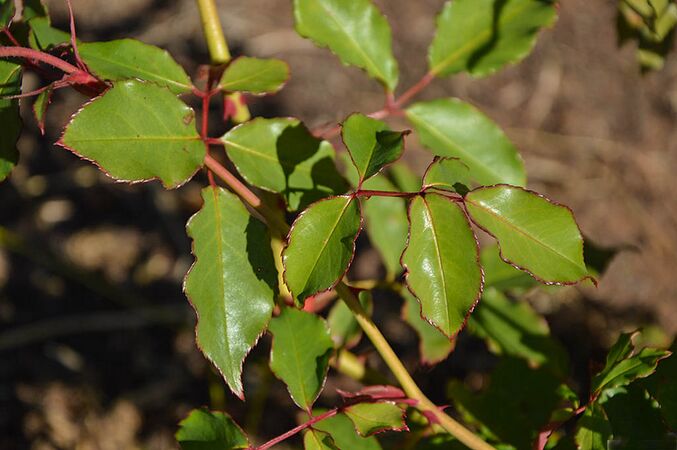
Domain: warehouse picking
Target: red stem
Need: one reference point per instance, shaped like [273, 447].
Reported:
[29, 53]
[293, 431]
[414, 90]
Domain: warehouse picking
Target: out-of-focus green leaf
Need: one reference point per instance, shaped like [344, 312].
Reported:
[434, 346]
[515, 329]
[447, 174]
[440, 442]
[370, 144]
[501, 275]
[634, 416]
[255, 75]
[32, 9]
[403, 178]
[535, 234]
[355, 31]
[206, 430]
[442, 262]
[7, 11]
[10, 84]
[343, 432]
[593, 430]
[138, 131]
[345, 331]
[482, 36]
[321, 245]
[452, 128]
[125, 59]
[661, 385]
[43, 36]
[318, 440]
[233, 283]
[280, 155]
[372, 418]
[300, 354]
[517, 403]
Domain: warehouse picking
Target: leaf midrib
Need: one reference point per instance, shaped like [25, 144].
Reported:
[299, 372]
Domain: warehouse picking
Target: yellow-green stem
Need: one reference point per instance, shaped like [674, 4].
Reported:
[211, 25]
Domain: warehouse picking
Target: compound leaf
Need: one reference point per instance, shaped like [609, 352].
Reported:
[442, 262]
[207, 430]
[534, 233]
[125, 59]
[233, 283]
[138, 131]
[10, 84]
[452, 128]
[318, 440]
[593, 429]
[482, 36]
[300, 354]
[434, 346]
[372, 418]
[343, 432]
[321, 245]
[280, 155]
[355, 31]
[255, 75]
[370, 144]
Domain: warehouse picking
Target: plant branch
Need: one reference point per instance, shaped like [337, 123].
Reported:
[30, 54]
[211, 25]
[293, 431]
[414, 90]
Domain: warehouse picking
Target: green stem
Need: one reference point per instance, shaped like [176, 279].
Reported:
[211, 25]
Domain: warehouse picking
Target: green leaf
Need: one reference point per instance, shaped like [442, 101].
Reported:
[43, 36]
[345, 331]
[534, 233]
[321, 245]
[206, 430]
[125, 59]
[255, 75]
[515, 329]
[318, 440]
[372, 418]
[343, 431]
[7, 11]
[233, 283]
[442, 262]
[661, 385]
[634, 416]
[370, 144]
[593, 430]
[447, 174]
[300, 354]
[355, 31]
[280, 155]
[136, 132]
[482, 36]
[403, 178]
[40, 105]
[622, 367]
[452, 128]
[501, 275]
[10, 84]
[386, 219]
[32, 9]
[517, 403]
[434, 346]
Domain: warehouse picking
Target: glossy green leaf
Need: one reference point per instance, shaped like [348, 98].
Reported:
[321, 245]
[447, 174]
[136, 132]
[255, 75]
[343, 432]
[482, 36]
[300, 354]
[355, 31]
[386, 219]
[125, 59]
[662, 387]
[515, 406]
[233, 283]
[501, 275]
[280, 155]
[372, 418]
[43, 36]
[623, 367]
[442, 262]
[515, 329]
[370, 144]
[40, 106]
[318, 440]
[345, 331]
[593, 430]
[207, 430]
[452, 128]
[434, 346]
[7, 11]
[10, 84]
[534, 233]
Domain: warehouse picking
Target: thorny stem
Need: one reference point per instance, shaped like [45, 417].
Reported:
[30, 54]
